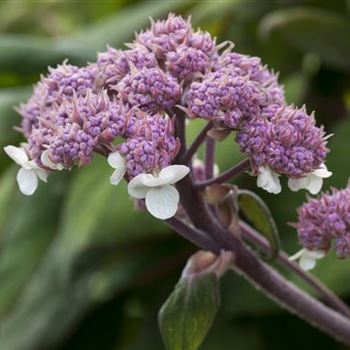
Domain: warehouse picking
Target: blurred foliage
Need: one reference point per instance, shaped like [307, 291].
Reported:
[79, 268]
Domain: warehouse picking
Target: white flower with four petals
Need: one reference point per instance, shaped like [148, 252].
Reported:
[30, 172]
[312, 182]
[161, 196]
[307, 258]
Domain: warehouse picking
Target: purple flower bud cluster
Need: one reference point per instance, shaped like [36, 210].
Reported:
[247, 66]
[164, 36]
[151, 145]
[113, 65]
[184, 52]
[289, 143]
[325, 219]
[61, 82]
[224, 97]
[239, 89]
[73, 130]
[149, 89]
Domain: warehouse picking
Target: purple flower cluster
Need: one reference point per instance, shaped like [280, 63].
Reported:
[76, 111]
[289, 143]
[325, 219]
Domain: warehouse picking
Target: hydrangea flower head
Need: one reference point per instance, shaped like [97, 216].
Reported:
[290, 144]
[124, 107]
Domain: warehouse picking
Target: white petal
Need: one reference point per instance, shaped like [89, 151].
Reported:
[27, 181]
[307, 263]
[42, 174]
[298, 184]
[173, 174]
[137, 187]
[45, 159]
[322, 171]
[117, 176]
[315, 184]
[297, 255]
[315, 254]
[268, 180]
[115, 160]
[162, 201]
[18, 155]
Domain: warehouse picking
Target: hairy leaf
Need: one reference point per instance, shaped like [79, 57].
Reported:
[189, 312]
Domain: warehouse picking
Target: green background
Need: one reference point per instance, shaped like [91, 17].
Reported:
[79, 268]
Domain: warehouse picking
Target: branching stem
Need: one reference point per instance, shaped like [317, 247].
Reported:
[244, 165]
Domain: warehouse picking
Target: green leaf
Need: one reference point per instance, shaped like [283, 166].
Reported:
[312, 30]
[259, 215]
[189, 312]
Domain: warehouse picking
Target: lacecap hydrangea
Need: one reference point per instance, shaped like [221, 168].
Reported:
[125, 106]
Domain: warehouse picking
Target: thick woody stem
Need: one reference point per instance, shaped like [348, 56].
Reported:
[244, 165]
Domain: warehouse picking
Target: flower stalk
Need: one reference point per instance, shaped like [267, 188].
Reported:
[237, 169]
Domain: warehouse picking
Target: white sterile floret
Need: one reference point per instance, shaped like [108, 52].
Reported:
[269, 180]
[161, 196]
[117, 162]
[307, 258]
[27, 176]
[45, 159]
[312, 182]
